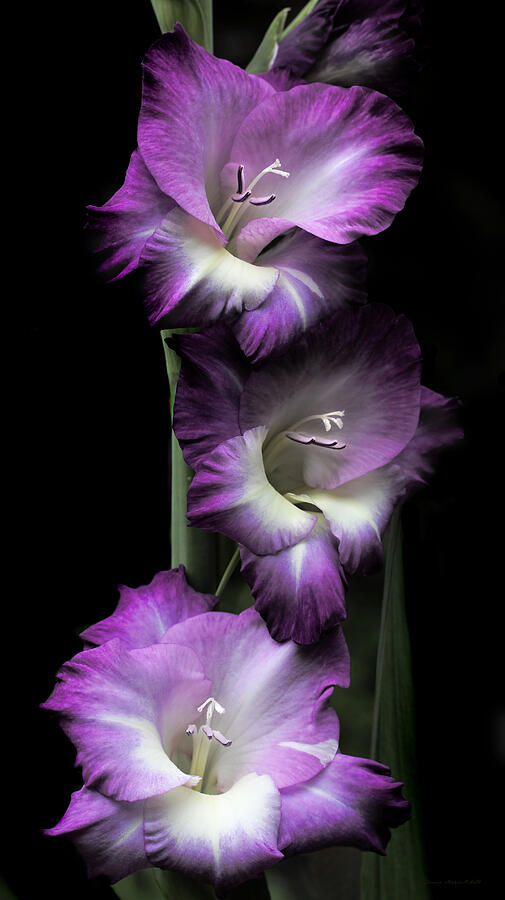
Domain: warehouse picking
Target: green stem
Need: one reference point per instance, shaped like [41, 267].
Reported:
[194, 548]
[228, 573]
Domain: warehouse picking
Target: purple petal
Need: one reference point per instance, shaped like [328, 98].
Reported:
[438, 426]
[316, 279]
[192, 105]
[126, 711]
[109, 835]
[192, 280]
[143, 614]
[299, 591]
[129, 217]
[212, 377]
[230, 493]
[353, 802]
[300, 49]
[275, 696]
[222, 838]
[351, 152]
[364, 361]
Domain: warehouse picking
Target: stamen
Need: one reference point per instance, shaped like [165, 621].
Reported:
[262, 201]
[202, 738]
[319, 442]
[240, 180]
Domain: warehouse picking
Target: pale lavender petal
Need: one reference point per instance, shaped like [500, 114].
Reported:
[222, 838]
[230, 493]
[143, 614]
[352, 802]
[351, 152]
[299, 591]
[129, 217]
[316, 279]
[192, 105]
[364, 361]
[211, 380]
[109, 835]
[126, 711]
[192, 279]
[275, 696]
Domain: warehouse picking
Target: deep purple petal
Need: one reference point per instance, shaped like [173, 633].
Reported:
[129, 217]
[364, 361]
[316, 279]
[192, 105]
[353, 802]
[299, 591]
[222, 838]
[109, 835]
[192, 279]
[230, 493]
[275, 696]
[143, 614]
[351, 152]
[439, 425]
[126, 711]
[211, 380]
[302, 46]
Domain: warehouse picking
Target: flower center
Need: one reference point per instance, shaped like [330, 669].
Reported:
[273, 449]
[203, 737]
[229, 215]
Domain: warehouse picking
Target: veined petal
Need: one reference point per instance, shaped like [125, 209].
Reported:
[125, 711]
[352, 802]
[230, 493]
[192, 106]
[192, 280]
[364, 361]
[129, 217]
[211, 380]
[143, 614]
[438, 426]
[221, 838]
[109, 835]
[299, 591]
[275, 696]
[316, 279]
[352, 155]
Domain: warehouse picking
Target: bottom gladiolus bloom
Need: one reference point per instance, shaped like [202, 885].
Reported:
[212, 750]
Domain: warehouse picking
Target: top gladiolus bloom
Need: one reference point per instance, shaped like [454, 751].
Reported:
[211, 749]
[225, 165]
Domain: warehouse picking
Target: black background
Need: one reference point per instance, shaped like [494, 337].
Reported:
[87, 383]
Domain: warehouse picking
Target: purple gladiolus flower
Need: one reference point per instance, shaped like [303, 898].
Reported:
[243, 201]
[302, 459]
[212, 750]
[346, 42]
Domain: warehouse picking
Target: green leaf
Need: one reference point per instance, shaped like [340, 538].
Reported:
[301, 15]
[157, 884]
[194, 15]
[324, 875]
[267, 50]
[401, 873]
[139, 886]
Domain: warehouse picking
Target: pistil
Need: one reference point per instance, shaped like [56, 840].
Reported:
[203, 737]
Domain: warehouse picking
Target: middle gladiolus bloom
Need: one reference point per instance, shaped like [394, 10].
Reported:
[212, 750]
[243, 201]
[302, 459]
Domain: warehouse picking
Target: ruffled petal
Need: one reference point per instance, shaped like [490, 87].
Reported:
[439, 425]
[316, 279]
[364, 361]
[192, 106]
[109, 835]
[352, 155]
[222, 838]
[299, 591]
[126, 711]
[353, 802]
[275, 697]
[129, 218]
[192, 280]
[230, 493]
[302, 46]
[143, 614]
[211, 380]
